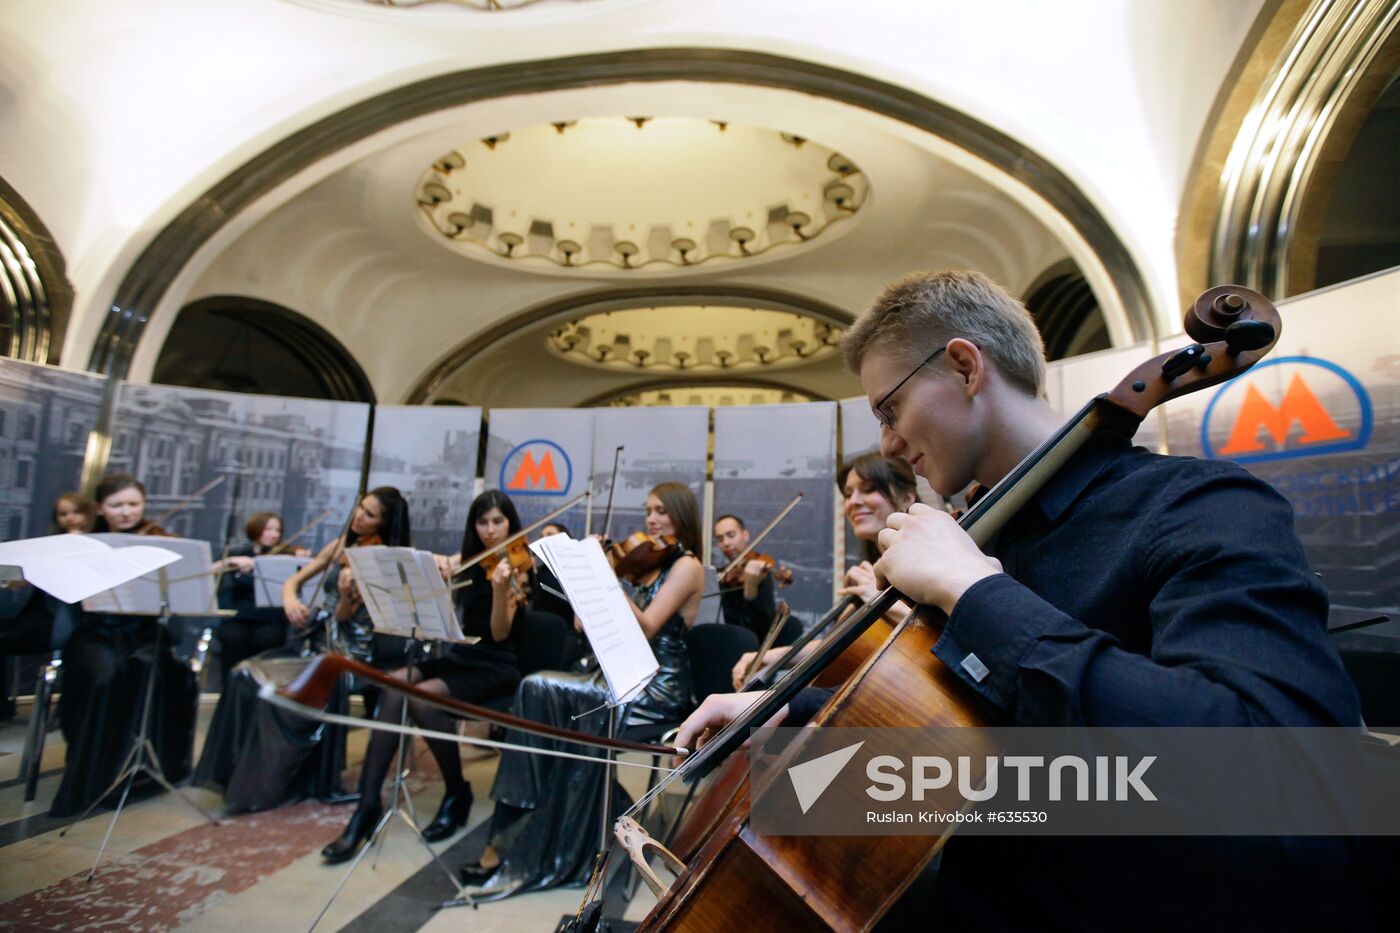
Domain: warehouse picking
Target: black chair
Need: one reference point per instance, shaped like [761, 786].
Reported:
[714, 650]
[543, 642]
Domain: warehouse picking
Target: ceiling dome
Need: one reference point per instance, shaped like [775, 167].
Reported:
[637, 195]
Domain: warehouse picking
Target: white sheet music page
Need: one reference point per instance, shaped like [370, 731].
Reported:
[270, 572]
[613, 632]
[75, 567]
[377, 572]
[189, 581]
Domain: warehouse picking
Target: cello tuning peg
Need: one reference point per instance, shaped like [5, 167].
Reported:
[1248, 335]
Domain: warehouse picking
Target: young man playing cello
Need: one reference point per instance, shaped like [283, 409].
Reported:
[1132, 590]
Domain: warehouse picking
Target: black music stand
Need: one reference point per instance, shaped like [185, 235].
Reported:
[142, 758]
[400, 799]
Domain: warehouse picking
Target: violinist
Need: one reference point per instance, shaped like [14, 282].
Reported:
[104, 670]
[1132, 590]
[873, 488]
[32, 622]
[748, 601]
[381, 517]
[253, 755]
[495, 596]
[547, 820]
[253, 630]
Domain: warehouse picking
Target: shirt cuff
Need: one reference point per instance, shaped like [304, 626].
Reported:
[992, 627]
[806, 704]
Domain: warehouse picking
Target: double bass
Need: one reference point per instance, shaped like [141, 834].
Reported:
[739, 879]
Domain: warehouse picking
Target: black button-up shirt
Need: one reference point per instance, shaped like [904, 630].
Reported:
[753, 614]
[1142, 590]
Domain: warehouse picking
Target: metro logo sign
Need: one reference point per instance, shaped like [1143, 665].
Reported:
[537, 468]
[1294, 406]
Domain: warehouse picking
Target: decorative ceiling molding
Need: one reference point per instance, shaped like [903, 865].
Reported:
[735, 193]
[648, 393]
[153, 272]
[1279, 148]
[698, 339]
[584, 305]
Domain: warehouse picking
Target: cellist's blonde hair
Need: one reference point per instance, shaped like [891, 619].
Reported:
[915, 316]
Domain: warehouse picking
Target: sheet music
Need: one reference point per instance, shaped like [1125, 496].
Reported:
[189, 580]
[269, 573]
[613, 631]
[377, 573]
[75, 567]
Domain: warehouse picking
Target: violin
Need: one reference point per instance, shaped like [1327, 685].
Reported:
[516, 551]
[640, 554]
[153, 529]
[735, 577]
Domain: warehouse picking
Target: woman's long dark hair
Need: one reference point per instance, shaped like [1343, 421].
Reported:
[892, 478]
[471, 541]
[110, 485]
[394, 528]
[680, 504]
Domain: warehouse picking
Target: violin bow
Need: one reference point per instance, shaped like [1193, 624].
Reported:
[188, 501]
[612, 488]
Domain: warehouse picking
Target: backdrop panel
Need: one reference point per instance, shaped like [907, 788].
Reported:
[46, 414]
[1319, 418]
[428, 452]
[297, 457]
[541, 458]
[765, 455]
[660, 445]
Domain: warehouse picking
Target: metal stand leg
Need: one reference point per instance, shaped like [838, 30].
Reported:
[401, 804]
[33, 757]
[142, 758]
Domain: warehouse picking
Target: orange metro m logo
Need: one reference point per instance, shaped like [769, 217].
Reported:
[1324, 409]
[537, 467]
[1299, 406]
[535, 475]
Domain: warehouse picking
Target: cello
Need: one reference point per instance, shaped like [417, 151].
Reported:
[741, 879]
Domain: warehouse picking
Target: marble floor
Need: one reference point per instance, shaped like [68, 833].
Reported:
[167, 868]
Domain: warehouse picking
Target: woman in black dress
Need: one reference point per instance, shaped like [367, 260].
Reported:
[32, 622]
[488, 608]
[548, 815]
[253, 630]
[260, 756]
[105, 665]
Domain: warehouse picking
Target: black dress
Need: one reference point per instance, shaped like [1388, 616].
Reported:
[259, 756]
[253, 630]
[548, 816]
[105, 665]
[482, 671]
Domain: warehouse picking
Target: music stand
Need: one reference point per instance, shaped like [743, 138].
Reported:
[142, 758]
[383, 602]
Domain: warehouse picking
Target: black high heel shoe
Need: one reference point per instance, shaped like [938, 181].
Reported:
[452, 813]
[357, 832]
[476, 875]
